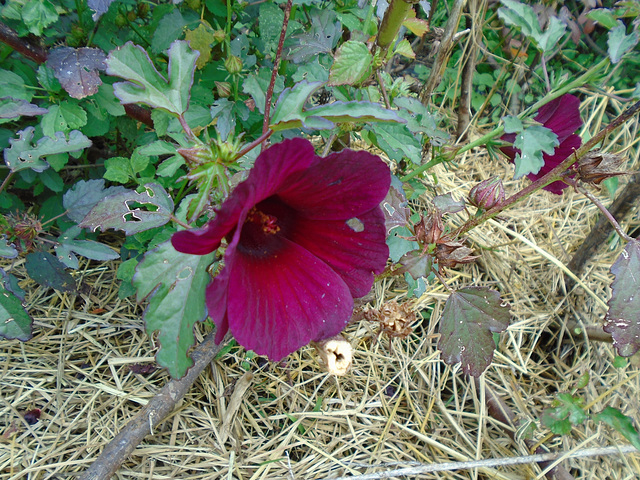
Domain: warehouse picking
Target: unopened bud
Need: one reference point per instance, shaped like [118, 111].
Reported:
[233, 64]
[219, 36]
[198, 155]
[223, 88]
[487, 194]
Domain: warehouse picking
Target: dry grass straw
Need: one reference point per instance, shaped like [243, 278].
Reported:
[397, 406]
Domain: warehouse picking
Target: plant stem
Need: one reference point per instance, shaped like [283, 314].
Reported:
[554, 175]
[6, 180]
[21, 45]
[274, 73]
[392, 21]
[254, 144]
[607, 214]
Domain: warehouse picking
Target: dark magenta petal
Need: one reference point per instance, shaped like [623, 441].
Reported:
[339, 186]
[561, 115]
[279, 303]
[564, 150]
[354, 249]
[271, 168]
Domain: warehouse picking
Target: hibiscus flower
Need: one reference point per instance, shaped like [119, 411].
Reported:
[562, 117]
[304, 237]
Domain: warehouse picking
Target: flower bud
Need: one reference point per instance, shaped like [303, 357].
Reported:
[198, 155]
[219, 36]
[487, 194]
[233, 64]
[224, 89]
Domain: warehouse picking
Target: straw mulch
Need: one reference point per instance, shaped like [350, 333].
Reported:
[399, 404]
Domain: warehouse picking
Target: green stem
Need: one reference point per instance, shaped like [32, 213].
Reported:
[392, 21]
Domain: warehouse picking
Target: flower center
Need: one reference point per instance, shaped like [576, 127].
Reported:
[265, 226]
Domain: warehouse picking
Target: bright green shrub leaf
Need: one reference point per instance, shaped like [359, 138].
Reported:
[397, 142]
[351, 65]
[52, 180]
[619, 43]
[145, 84]
[63, 118]
[174, 283]
[48, 271]
[469, 317]
[130, 211]
[623, 318]
[118, 169]
[603, 16]
[126, 271]
[532, 143]
[565, 412]
[37, 15]
[15, 322]
[403, 48]
[620, 423]
[169, 29]
[23, 154]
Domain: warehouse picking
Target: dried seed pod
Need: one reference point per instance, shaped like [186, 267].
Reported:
[335, 354]
[596, 166]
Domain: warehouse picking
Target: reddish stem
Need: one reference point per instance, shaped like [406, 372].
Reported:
[276, 66]
[21, 45]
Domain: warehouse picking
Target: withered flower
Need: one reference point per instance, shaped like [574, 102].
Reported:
[596, 166]
[395, 319]
[451, 253]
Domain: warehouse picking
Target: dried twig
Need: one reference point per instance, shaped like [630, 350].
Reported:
[160, 406]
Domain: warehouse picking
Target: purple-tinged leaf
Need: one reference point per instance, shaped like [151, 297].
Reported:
[447, 204]
[130, 211]
[99, 6]
[13, 108]
[23, 154]
[174, 283]
[623, 318]
[84, 195]
[416, 264]
[48, 271]
[394, 206]
[145, 84]
[469, 318]
[77, 69]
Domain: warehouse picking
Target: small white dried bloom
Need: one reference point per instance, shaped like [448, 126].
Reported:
[335, 354]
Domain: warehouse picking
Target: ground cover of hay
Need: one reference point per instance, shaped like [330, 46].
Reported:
[396, 406]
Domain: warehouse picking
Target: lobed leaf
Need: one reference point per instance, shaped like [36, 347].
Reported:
[84, 195]
[623, 318]
[469, 317]
[22, 154]
[124, 211]
[532, 143]
[174, 283]
[146, 85]
[77, 69]
[12, 108]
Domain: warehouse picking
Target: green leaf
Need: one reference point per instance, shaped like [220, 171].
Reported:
[397, 142]
[620, 423]
[47, 270]
[174, 283]
[552, 35]
[619, 43]
[323, 35]
[403, 47]
[86, 248]
[351, 65]
[118, 169]
[566, 411]
[126, 271]
[84, 195]
[512, 124]
[147, 86]
[130, 211]
[7, 250]
[37, 15]
[469, 317]
[11, 108]
[603, 16]
[12, 85]
[521, 16]
[270, 21]
[290, 111]
[623, 318]
[169, 29]
[15, 322]
[22, 154]
[532, 143]
[63, 118]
